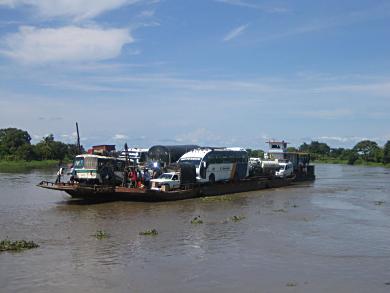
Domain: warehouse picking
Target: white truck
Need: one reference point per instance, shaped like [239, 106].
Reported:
[286, 169]
[166, 181]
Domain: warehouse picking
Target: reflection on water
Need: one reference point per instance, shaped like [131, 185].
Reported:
[330, 235]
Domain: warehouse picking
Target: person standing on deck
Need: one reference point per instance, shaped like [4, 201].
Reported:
[134, 177]
[59, 174]
[125, 177]
[146, 178]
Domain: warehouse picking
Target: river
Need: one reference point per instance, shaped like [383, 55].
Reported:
[332, 235]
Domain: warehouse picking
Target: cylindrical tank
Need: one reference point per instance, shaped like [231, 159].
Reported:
[270, 167]
[168, 154]
[270, 164]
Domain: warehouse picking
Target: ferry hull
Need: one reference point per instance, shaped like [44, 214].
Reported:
[99, 192]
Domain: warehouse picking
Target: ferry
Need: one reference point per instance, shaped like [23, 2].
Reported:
[197, 172]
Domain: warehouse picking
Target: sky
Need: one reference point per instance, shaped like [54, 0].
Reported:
[207, 72]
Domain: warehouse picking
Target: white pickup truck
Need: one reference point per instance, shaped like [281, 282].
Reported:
[166, 181]
[286, 170]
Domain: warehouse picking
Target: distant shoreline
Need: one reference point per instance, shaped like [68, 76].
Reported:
[345, 162]
[20, 165]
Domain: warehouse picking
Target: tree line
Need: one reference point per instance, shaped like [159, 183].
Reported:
[15, 144]
[365, 151]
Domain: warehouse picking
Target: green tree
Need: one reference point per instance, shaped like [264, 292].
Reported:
[304, 148]
[49, 149]
[350, 155]
[336, 152]
[368, 150]
[255, 153]
[25, 152]
[319, 148]
[292, 149]
[386, 153]
[73, 151]
[316, 149]
[13, 143]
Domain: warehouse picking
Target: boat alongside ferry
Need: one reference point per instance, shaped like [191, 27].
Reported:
[197, 172]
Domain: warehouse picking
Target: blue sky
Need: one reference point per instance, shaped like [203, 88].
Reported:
[211, 72]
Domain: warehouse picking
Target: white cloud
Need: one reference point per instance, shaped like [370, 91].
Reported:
[341, 138]
[235, 33]
[348, 141]
[327, 114]
[249, 4]
[147, 13]
[120, 136]
[200, 136]
[77, 9]
[381, 88]
[65, 44]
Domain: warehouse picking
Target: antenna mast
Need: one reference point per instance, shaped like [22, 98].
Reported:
[78, 138]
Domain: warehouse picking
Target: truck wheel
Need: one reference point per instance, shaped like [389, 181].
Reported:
[212, 178]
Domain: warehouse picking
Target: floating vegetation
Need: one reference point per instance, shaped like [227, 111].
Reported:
[237, 218]
[292, 284]
[218, 198]
[18, 245]
[379, 202]
[280, 211]
[101, 234]
[197, 220]
[151, 232]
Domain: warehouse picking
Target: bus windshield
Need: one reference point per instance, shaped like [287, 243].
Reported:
[193, 161]
[79, 163]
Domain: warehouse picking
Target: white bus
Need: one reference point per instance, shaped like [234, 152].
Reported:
[96, 169]
[214, 165]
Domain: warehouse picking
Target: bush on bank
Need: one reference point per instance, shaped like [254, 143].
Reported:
[15, 145]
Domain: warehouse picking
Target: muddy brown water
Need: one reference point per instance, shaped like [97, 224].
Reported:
[332, 235]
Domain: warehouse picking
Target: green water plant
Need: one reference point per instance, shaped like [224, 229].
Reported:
[292, 284]
[280, 211]
[237, 218]
[101, 234]
[197, 220]
[150, 232]
[18, 245]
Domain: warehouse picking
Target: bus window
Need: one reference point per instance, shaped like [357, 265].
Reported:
[90, 163]
[193, 161]
[79, 163]
[211, 158]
